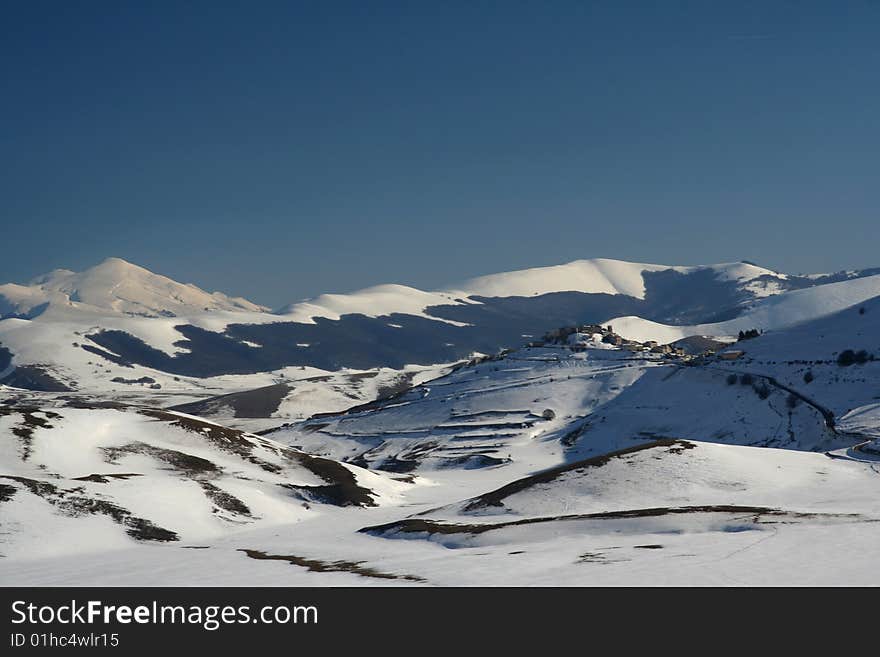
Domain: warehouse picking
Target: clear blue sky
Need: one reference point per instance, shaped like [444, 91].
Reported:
[281, 150]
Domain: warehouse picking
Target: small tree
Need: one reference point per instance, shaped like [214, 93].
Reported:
[849, 357]
[748, 335]
[808, 377]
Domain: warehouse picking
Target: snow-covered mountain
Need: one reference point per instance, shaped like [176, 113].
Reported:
[114, 287]
[578, 456]
[775, 312]
[120, 321]
[604, 276]
[596, 276]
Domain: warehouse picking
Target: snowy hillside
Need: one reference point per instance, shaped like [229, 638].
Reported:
[767, 314]
[596, 276]
[834, 360]
[489, 413]
[377, 301]
[682, 513]
[120, 321]
[79, 478]
[669, 512]
[294, 395]
[604, 276]
[117, 287]
[579, 454]
[538, 404]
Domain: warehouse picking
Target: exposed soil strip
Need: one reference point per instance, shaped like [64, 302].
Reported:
[71, 503]
[224, 500]
[496, 497]
[30, 421]
[486, 414]
[190, 465]
[419, 525]
[105, 478]
[488, 426]
[318, 566]
[93, 404]
[341, 489]
[6, 492]
[230, 440]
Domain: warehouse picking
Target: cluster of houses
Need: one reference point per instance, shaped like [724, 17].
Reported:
[592, 336]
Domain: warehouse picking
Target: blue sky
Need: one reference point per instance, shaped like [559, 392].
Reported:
[281, 150]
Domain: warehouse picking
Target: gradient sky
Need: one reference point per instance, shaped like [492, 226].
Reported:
[281, 150]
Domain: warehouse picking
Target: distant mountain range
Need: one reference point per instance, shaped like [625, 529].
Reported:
[123, 316]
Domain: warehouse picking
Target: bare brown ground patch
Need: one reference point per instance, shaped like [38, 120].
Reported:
[318, 566]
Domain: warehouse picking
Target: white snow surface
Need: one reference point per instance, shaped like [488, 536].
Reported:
[595, 276]
[185, 479]
[376, 301]
[117, 286]
[774, 312]
[822, 530]
[117, 295]
[598, 275]
[728, 507]
[753, 484]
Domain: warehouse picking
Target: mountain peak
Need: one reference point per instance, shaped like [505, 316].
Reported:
[119, 264]
[117, 286]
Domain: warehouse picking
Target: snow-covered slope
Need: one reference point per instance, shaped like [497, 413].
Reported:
[294, 394]
[775, 312]
[495, 412]
[600, 276]
[118, 320]
[675, 512]
[667, 475]
[811, 356]
[116, 287]
[788, 388]
[76, 478]
[543, 405]
[374, 301]
[672, 473]
[67, 347]
[576, 462]
[595, 276]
